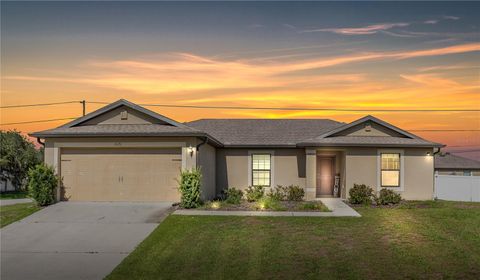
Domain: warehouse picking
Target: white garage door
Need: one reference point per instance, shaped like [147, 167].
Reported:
[120, 174]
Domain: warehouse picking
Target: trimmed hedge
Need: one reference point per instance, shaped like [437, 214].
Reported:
[233, 196]
[387, 196]
[361, 194]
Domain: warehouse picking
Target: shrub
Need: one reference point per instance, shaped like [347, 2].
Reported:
[42, 183]
[295, 193]
[190, 184]
[268, 203]
[387, 196]
[278, 193]
[361, 194]
[254, 193]
[233, 196]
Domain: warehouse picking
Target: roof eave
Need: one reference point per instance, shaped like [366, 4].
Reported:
[260, 145]
[433, 145]
[136, 134]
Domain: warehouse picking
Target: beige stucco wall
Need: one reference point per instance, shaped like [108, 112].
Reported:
[114, 117]
[361, 167]
[206, 161]
[233, 167]
[372, 130]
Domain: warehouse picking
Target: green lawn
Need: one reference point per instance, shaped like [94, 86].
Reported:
[13, 213]
[426, 240]
[13, 195]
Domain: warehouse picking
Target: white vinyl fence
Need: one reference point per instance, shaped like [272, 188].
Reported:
[457, 188]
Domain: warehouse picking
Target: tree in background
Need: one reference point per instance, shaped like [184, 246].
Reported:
[17, 156]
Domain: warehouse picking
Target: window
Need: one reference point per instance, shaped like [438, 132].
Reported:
[467, 173]
[261, 169]
[390, 170]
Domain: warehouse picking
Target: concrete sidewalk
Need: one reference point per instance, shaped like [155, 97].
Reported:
[336, 205]
[5, 202]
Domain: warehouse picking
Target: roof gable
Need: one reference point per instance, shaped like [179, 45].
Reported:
[123, 112]
[376, 134]
[369, 126]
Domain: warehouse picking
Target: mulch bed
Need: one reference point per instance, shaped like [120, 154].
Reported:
[290, 206]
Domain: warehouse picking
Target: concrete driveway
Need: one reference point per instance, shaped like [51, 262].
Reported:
[72, 240]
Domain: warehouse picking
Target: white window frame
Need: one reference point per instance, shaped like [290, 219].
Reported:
[402, 169]
[272, 165]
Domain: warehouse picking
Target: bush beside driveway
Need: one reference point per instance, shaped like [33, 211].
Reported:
[415, 240]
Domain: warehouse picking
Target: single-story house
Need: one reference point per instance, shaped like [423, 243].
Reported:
[448, 164]
[124, 152]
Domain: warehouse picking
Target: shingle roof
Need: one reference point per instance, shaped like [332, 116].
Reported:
[238, 132]
[264, 132]
[449, 161]
[116, 129]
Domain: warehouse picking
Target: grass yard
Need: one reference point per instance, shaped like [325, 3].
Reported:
[13, 195]
[426, 240]
[13, 213]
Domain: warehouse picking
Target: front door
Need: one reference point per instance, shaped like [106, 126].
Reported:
[325, 175]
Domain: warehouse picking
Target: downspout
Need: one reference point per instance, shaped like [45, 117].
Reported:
[435, 174]
[39, 141]
[205, 140]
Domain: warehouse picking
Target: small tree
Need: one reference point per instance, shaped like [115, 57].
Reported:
[17, 156]
[190, 188]
[42, 184]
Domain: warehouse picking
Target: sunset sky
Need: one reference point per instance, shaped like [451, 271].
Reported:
[311, 55]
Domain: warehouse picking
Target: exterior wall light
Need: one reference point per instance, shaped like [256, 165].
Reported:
[190, 150]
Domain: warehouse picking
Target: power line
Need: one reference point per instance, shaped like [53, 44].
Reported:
[443, 130]
[297, 109]
[39, 121]
[464, 151]
[254, 108]
[39, 104]
[415, 130]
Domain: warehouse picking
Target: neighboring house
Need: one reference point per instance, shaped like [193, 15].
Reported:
[124, 152]
[448, 164]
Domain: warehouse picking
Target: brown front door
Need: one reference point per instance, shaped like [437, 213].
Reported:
[325, 175]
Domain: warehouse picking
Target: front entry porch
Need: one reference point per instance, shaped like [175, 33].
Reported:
[325, 173]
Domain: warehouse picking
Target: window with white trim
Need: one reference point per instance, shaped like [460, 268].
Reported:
[261, 169]
[390, 170]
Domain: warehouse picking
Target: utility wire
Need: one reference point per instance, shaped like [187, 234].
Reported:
[415, 130]
[298, 109]
[443, 130]
[39, 121]
[40, 104]
[255, 108]
[464, 151]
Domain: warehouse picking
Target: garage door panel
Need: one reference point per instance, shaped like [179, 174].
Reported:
[121, 174]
